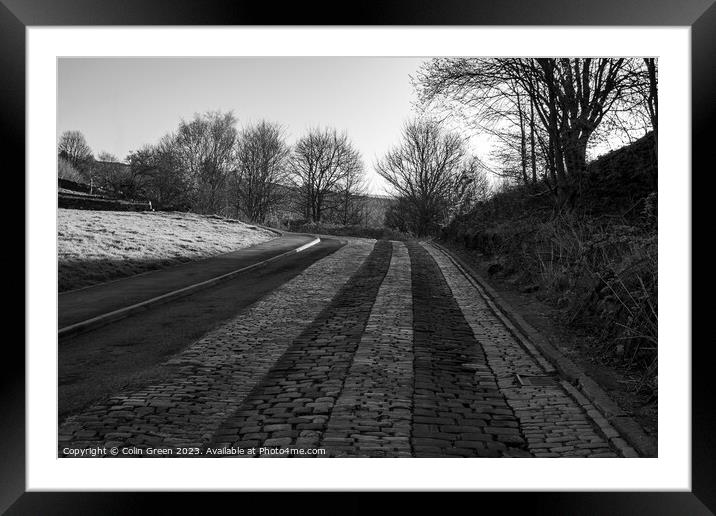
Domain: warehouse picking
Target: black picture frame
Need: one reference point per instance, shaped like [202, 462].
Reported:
[700, 15]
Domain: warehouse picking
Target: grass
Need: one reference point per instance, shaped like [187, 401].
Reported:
[98, 246]
[596, 264]
[600, 271]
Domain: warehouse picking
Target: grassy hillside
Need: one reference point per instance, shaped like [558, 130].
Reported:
[596, 264]
[98, 246]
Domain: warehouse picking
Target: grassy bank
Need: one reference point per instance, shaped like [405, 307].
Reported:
[597, 264]
[98, 246]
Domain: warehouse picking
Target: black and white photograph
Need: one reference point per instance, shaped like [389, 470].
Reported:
[432, 234]
[357, 257]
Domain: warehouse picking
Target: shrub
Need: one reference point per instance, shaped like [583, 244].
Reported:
[602, 274]
[377, 233]
[65, 170]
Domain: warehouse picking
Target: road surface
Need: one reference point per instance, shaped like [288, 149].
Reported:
[375, 349]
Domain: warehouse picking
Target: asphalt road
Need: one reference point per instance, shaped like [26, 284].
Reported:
[83, 304]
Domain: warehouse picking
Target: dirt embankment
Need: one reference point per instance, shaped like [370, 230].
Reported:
[586, 278]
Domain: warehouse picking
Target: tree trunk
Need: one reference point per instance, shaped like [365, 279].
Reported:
[563, 186]
[523, 140]
[533, 152]
[575, 159]
[653, 105]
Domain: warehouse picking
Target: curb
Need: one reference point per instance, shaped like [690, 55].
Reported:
[101, 320]
[535, 342]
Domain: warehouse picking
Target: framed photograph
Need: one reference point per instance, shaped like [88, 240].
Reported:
[429, 245]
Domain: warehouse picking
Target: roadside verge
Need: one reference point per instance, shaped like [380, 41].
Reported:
[106, 317]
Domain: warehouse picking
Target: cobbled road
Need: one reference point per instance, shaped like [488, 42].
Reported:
[381, 349]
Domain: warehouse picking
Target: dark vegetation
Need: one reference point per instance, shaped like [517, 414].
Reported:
[77, 190]
[71, 199]
[353, 230]
[596, 263]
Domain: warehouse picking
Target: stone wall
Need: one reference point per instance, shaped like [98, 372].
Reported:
[85, 202]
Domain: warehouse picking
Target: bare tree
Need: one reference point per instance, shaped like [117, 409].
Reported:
[120, 179]
[472, 186]
[487, 102]
[165, 181]
[262, 160]
[65, 170]
[109, 174]
[206, 148]
[353, 191]
[424, 169]
[73, 148]
[321, 162]
[570, 98]
[652, 97]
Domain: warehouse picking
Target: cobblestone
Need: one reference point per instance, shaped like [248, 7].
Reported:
[549, 416]
[451, 373]
[379, 350]
[316, 363]
[219, 370]
[377, 393]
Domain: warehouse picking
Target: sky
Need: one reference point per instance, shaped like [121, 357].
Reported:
[120, 104]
